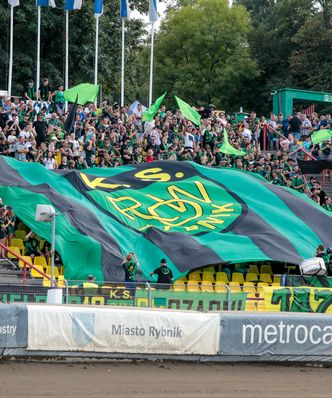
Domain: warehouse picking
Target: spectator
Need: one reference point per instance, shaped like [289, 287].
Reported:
[130, 265]
[165, 275]
[2, 232]
[30, 91]
[32, 245]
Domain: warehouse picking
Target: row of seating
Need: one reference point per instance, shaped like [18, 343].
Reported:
[236, 277]
[219, 287]
[252, 268]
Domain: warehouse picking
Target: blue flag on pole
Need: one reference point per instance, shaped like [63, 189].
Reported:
[98, 8]
[71, 5]
[46, 3]
[124, 10]
[153, 13]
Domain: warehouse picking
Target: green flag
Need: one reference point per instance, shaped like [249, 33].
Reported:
[228, 149]
[189, 214]
[84, 92]
[321, 135]
[188, 112]
[148, 115]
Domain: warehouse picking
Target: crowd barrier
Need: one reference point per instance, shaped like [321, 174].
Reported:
[106, 332]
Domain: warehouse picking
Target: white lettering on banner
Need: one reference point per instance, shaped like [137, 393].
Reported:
[8, 329]
[286, 333]
[102, 329]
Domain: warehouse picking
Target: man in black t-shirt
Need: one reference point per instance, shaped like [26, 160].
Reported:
[295, 126]
[165, 275]
[44, 91]
[41, 129]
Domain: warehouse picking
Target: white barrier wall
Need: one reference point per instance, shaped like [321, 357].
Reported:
[66, 328]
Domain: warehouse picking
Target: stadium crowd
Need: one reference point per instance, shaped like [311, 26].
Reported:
[33, 130]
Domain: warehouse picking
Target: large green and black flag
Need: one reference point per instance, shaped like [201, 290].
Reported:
[189, 214]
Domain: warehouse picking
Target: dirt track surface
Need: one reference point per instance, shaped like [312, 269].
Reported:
[165, 379]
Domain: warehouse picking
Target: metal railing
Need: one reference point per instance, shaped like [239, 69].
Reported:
[25, 265]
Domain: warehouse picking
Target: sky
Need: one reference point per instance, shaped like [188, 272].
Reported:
[161, 7]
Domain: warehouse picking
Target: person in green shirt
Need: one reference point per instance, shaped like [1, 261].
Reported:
[327, 204]
[130, 265]
[32, 245]
[298, 183]
[59, 100]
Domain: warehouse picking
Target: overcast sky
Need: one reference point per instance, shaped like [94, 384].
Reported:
[161, 11]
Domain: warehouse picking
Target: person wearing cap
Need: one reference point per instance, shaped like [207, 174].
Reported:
[90, 287]
[165, 275]
[297, 182]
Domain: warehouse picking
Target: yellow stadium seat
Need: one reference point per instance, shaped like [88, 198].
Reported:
[18, 243]
[209, 269]
[266, 269]
[249, 287]
[27, 258]
[235, 287]
[207, 287]
[253, 269]
[208, 277]
[16, 250]
[40, 260]
[220, 287]
[62, 270]
[251, 277]
[194, 276]
[183, 278]
[261, 303]
[19, 234]
[61, 281]
[261, 285]
[56, 271]
[35, 273]
[179, 286]
[251, 304]
[46, 282]
[237, 277]
[222, 277]
[193, 286]
[276, 279]
[265, 278]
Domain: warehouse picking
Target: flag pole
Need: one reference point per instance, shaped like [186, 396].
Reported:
[151, 64]
[67, 56]
[96, 53]
[38, 48]
[122, 62]
[10, 73]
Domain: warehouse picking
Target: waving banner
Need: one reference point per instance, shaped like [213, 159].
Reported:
[189, 214]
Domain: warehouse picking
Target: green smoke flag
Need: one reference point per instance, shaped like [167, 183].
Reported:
[189, 214]
[148, 115]
[84, 92]
[228, 149]
[321, 135]
[188, 112]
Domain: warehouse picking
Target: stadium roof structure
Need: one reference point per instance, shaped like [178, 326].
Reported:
[189, 214]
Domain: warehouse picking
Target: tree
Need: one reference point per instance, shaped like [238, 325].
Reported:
[81, 46]
[202, 53]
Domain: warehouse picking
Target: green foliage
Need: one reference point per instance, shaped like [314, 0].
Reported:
[81, 46]
[202, 53]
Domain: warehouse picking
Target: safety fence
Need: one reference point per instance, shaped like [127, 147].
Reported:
[104, 332]
[297, 298]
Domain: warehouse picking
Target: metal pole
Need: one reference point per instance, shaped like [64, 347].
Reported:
[52, 252]
[96, 50]
[67, 57]
[122, 62]
[38, 49]
[149, 295]
[228, 297]
[151, 64]
[10, 73]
